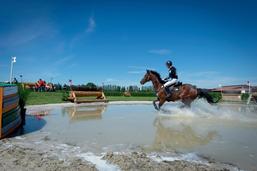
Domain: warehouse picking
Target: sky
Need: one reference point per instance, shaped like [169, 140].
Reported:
[210, 42]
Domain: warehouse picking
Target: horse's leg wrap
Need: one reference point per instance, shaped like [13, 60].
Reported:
[154, 104]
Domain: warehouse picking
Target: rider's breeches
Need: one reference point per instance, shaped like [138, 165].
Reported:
[171, 82]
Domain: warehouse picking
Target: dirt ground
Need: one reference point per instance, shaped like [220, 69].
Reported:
[16, 157]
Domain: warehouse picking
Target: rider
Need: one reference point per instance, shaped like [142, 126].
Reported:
[172, 79]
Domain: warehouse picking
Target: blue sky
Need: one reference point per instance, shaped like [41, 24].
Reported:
[114, 42]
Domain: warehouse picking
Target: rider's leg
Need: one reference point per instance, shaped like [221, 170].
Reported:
[171, 82]
[167, 85]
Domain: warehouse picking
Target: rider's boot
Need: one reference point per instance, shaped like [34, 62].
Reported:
[168, 92]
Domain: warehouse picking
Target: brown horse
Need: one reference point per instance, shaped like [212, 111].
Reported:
[186, 93]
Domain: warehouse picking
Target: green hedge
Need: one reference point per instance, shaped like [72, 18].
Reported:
[216, 96]
[244, 96]
[24, 94]
[113, 93]
[143, 94]
[65, 95]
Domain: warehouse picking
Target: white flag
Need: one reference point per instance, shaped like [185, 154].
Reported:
[14, 59]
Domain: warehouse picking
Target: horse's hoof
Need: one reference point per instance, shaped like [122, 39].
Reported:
[157, 108]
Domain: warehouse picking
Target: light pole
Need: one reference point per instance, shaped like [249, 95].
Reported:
[13, 60]
[21, 78]
[70, 81]
[249, 87]
[102, 86]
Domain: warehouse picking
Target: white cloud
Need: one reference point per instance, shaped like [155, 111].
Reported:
[160, 51]
[136, 72]
[63, 60]
[80, 35]
[91, 25]
[140, 68]
[23, 34]
[121, 82]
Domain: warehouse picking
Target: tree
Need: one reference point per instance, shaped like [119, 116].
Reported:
[91, 86]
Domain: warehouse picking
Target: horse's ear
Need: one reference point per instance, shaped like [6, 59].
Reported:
[148, 71]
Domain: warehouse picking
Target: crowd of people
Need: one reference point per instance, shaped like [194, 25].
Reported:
[42, 86]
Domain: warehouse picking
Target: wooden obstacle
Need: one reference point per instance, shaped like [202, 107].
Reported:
[10, 115]
[79, 96]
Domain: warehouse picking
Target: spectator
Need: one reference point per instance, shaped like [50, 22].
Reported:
[44, 86]
[40, 83]
[36, 86]
[15, 81]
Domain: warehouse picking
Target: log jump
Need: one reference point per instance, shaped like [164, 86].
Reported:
[79, 96]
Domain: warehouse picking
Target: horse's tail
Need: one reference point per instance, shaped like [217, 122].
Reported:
[203, 93]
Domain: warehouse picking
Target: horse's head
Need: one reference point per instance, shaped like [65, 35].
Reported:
[146, 78]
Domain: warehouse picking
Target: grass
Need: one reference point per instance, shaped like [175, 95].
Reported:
[37, 98]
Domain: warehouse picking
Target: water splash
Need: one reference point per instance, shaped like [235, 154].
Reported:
[202, 110]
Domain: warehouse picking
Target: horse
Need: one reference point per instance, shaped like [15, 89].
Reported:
[187, 93]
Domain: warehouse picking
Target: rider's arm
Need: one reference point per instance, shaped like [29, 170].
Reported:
[168, 77]
[165, 79]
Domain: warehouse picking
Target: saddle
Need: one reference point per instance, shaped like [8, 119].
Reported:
[175, 87]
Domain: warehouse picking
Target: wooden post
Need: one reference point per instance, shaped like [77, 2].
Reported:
[1, 109]
[74, 96]
[103, 95]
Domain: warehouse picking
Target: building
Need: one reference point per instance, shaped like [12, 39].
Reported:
[234, 92]
[237, 89]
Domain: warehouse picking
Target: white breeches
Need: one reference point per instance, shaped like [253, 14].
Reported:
[171, 82]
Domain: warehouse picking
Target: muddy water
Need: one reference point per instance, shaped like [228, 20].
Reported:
[224, 133]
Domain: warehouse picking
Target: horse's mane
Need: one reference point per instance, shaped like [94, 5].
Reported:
[158, 76]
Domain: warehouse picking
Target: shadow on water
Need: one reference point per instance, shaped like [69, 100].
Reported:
[32, 124]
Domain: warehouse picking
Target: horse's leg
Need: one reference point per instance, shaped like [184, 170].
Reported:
[182, 106]
[161, 102]
[154, 104]
[187, 102]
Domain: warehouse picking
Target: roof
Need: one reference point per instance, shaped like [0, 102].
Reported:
[235, 88]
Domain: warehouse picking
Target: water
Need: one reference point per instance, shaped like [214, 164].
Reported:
[224, 133]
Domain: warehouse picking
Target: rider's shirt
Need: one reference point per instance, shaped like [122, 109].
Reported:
[173, 73]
